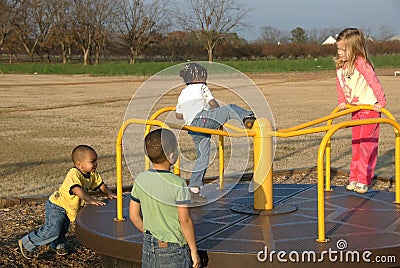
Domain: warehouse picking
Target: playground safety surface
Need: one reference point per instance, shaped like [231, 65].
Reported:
[363, 230]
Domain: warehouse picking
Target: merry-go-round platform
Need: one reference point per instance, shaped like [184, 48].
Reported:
[363, 230]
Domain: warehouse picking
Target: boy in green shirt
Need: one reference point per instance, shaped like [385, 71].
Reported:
[162, 197]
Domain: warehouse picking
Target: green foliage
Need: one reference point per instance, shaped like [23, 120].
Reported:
[283, 65]
[386, 61]
[150, 68]
[104, 69]
[298, 35]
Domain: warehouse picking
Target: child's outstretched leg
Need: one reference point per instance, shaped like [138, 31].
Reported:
[50, 231]
[215, 118]
[212, 119]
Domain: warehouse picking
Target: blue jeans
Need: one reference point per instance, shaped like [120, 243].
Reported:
[173, 256]
[212, 119]
[53, 231]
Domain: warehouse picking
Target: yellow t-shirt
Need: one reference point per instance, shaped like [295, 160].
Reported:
[66, 199]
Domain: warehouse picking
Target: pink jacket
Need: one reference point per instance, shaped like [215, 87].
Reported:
[360, 88]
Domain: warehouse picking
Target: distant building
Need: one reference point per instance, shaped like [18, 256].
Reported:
[394, 38]
[332, 40]
[329, 41]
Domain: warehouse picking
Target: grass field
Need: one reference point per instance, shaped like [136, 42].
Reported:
[150, 68]
[43, 117]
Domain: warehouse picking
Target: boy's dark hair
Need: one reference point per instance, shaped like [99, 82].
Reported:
[193, 73]
[79, 151]
[159, 143]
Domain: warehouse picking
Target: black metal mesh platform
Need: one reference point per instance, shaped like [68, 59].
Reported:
[355, 224]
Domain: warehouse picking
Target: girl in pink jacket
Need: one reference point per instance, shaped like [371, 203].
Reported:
[357, 84]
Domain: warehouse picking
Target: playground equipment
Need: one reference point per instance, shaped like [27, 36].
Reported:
[262, 134]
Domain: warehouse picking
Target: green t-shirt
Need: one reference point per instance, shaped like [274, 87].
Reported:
[159, 193]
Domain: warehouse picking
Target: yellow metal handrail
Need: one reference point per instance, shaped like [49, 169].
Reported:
[152, 122]
[320, 168]
[118, 156]
[221, 150]
[262, 133]
[337, 113]
[147, 130]
[325, 145]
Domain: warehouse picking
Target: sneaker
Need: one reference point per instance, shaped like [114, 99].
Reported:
[197, 198]
[26, 253]
[60, 251]
[351, 186]
[248, 121]
[361, 188]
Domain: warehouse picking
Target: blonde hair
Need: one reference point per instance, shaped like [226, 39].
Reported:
[355, 46]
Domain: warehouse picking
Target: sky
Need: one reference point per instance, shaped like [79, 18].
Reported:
[287, 15]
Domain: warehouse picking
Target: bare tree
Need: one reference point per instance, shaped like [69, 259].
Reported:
[8, 16]
[105, 20]
[271, 35]
[61, 33]
[181, 45]
[43, 19]
[32, 24]
[174, 41]
[141, 23]
[89, 19]
[211, 20]
[385, 32]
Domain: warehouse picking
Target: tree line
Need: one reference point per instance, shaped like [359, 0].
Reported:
[147, 29]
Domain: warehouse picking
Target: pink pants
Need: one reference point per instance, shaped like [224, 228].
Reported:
[364, 148]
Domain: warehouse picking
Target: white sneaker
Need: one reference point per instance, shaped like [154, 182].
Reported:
[351, 186]
[361, 188]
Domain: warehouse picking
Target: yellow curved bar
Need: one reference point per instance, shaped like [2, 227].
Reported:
[335, 114]
[338, 112]
[316, 121]
[248, 133]
[300, 132]
[240, 132]
[235, 128]
[118, 155]
[147, 130]
[320, 168]
[152, 122]
[221, 138]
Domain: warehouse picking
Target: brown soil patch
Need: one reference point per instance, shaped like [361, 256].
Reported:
[42, 117]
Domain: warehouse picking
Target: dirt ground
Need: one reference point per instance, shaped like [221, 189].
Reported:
[43, 117]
